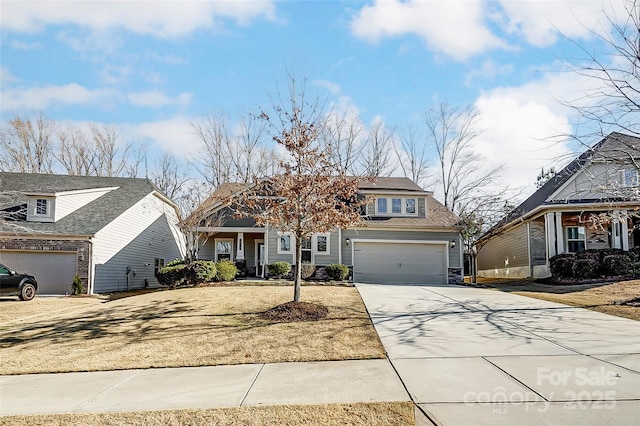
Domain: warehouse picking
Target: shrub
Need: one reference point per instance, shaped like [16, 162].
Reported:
[634, 253]
[201, 271]
[586, 267]
[337, 271]
[307, 270]
[172, 275]
[595, 254]
[561, 265]
[279, 269]
[175, 262]
[76, 286]
[227, 270]
[616, 264]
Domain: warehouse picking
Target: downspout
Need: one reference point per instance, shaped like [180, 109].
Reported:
[529, 249]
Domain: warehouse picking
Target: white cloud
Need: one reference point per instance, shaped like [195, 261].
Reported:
[488, 71]
[43, 97]
[162, 19]
[158, 99]
[6, 78]
[542, 22]
[23, 45]
[174, 135]
[456, 29]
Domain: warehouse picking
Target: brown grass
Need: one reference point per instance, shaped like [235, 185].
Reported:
[186, 327]
[603, 298]
[362, 414]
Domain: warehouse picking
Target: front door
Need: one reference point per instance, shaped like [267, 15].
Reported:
[259, 257]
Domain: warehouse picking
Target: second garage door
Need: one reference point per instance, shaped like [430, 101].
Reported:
[53, 271]
[399, 263]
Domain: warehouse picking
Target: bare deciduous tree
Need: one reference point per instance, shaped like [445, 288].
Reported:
[413, 156]
[311, 195]
[27, 145]
[169, 176]
[342, 138]
[376, 157]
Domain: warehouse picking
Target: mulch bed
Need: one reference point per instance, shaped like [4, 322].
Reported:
[295, 311]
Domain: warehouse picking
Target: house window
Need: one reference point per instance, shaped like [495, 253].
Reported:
[306, 250]
[410, 205]
[157, 265]
[399, 206]
[42, 206]
[382, 205]
[629, 178]
[322, 244]
[284, 244]
[396, 205]
[224, 249]
[576, 239]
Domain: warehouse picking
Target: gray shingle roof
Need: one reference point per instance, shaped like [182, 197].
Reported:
[88, 219]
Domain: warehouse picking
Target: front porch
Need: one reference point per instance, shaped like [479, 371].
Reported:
[244, 247]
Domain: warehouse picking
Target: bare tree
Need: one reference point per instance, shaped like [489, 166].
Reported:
[376, 157]
[413, 156]
[75, 153]
[311, 195]
[214, 164]
[169, 176]
[342, 137]
[27, 145]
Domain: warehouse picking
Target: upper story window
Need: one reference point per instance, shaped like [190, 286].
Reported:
[284, 244]
[42, 207]
[396, 206]
[576, 239]
[630, 177]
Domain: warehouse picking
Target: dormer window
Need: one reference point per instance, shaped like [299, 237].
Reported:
[629, 178]
[42, 207]
[396, 206]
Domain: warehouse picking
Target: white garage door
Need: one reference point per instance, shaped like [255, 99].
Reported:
[53, 271]
[399, 263]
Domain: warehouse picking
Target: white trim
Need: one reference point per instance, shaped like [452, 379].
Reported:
[248, 230]
[403, 206]
[256, 244]
[566, 233]
[215, 245]
[381, 241]
[340, 245]
[76, 191]
[292, 243]
[314, 243]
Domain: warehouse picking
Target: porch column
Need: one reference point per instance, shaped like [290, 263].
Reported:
[550, 228]
[240, 246]
[624, 232]
[559, 233]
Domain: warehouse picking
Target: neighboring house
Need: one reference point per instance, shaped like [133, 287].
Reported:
[592, 203]
[407, 237]
[113, 232]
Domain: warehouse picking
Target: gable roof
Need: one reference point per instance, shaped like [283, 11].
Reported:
[614, 147]
[390, 184]
[88, 219]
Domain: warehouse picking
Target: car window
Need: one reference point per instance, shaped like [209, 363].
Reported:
[4, 270]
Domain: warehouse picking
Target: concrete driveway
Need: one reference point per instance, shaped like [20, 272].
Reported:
[483, 357]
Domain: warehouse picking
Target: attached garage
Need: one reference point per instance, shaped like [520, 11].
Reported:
[54, 271]
[400, 262]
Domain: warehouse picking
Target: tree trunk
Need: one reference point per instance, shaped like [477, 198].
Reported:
[296, 279]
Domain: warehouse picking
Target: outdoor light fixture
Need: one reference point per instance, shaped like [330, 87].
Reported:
[347, 241]
[452, 244]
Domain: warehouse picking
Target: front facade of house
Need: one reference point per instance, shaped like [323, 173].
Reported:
[593, 203]
[407, 237]
[114, 233]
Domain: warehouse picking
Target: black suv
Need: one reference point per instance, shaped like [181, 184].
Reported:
[13, 284]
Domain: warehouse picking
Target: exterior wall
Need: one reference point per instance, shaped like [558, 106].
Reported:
[455, 256]
[505, 255]
[125, 250]
[81, 247]
[538, 242]
[207, 250]
[320, 259]
[588, 183]
[66, 204]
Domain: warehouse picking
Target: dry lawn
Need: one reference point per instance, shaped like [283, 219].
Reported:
[598, 297]
[185, 327]
[364, 414]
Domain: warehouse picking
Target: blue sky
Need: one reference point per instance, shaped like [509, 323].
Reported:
[151, 67]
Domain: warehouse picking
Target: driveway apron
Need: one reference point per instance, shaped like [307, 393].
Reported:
[483, 357]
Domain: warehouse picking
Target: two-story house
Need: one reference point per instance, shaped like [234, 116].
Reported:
[112, 232]
[593, 203]
[406, 237]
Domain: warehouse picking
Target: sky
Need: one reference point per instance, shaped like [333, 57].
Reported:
[151, 67]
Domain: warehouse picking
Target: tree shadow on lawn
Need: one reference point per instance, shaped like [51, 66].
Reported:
[532, 286]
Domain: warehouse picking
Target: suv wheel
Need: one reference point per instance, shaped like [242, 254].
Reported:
[27, 292]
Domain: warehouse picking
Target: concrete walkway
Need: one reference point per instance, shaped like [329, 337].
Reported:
[483, 357]
[201, 387]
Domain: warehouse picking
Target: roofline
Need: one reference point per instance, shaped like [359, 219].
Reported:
[75, 191]
[42, 235]
[387, 191]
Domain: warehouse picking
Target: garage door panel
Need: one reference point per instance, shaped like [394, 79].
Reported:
[53, 271]
[402, 263]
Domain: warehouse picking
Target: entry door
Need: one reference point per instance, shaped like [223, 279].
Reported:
[259, 257]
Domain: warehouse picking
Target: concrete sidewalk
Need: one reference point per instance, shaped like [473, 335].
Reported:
[201, 387]
[483, 357]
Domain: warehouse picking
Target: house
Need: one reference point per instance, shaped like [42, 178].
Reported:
[407, 237]
[113, 232]
[593, 203]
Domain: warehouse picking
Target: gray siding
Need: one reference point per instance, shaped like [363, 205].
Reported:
[454, 253]
[538, 242]
[507, 250]
[592, 182]
[320, 259]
